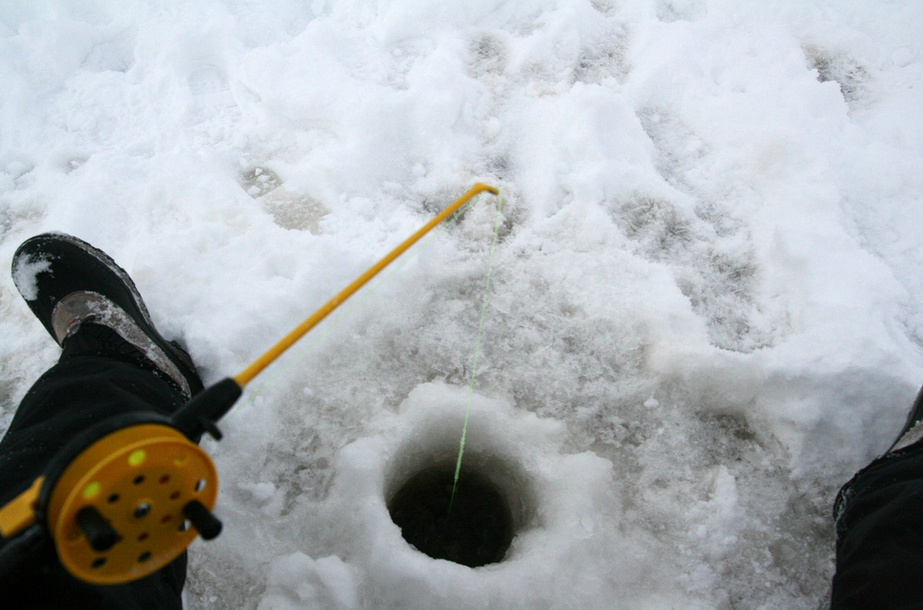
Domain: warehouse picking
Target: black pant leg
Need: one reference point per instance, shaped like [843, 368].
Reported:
[879, 550]
[72, 396]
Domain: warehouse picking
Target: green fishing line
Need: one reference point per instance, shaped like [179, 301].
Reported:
[346, 312]
[477, 350]
[371, 290]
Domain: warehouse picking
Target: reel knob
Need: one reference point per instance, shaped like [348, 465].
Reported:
[96, 529]
[202, 519]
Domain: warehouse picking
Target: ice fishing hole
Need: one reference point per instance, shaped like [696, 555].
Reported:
[476, 530]
[496, 501]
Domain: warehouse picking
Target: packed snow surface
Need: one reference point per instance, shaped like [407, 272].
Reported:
[706, 301]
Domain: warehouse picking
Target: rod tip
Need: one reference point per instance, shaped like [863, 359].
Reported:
[480, 187]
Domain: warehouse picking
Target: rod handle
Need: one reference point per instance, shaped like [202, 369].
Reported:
[208, 406]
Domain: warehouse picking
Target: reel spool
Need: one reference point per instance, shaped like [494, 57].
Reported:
[122, 501]
[123, 508]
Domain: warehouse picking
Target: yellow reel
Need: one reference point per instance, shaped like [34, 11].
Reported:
[122, 509]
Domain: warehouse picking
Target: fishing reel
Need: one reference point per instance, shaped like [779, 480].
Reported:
[126, 497]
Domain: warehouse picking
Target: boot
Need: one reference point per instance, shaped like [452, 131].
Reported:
[90, 306]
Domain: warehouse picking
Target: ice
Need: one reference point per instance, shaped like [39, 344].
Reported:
[298, 581]
[705, 303]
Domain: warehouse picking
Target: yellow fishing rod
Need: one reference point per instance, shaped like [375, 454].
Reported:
[126, 497]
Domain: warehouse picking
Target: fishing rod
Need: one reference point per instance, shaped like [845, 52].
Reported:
[127, 496]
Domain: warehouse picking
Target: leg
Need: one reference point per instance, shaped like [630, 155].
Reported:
[75, 394]
[879, 524]
[72, 396]
[113, 362]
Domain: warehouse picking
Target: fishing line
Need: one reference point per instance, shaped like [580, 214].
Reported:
[477, 350]
[346, 313]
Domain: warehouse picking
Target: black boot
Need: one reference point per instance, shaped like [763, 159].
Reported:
[90, 306]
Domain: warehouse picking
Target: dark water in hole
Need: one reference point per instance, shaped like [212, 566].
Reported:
[475, 532]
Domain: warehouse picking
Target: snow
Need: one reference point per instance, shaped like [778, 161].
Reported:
[705, 304]
[25, 275]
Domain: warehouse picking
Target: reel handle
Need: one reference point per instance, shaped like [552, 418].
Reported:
[207, 524]
[96, 529]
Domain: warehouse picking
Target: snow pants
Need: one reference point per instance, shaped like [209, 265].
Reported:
[73, 395]
[879, 526]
